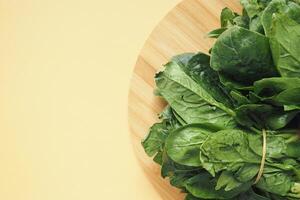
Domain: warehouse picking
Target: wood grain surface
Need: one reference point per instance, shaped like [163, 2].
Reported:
[183, 29]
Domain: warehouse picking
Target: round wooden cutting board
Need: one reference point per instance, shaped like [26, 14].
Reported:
[184, 29]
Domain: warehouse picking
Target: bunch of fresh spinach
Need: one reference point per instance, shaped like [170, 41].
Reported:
[209, 142]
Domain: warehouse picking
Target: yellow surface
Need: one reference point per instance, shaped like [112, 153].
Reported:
[65, 67]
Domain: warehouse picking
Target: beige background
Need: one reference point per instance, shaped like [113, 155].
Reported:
[65, 68]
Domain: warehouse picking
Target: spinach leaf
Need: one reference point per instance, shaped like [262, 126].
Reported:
[228, 19]
[248, 195]
[232, 84]
[253, 7]
[177, 174]
[203, 186]
[233, 55]
[228, 150]
[285, 40]
[263, 116]
[183, 59]
[239, 98]
[189, 100]
[183, 144]
[279, 91]
[269, 87]
[256, 25]
[191, 197]
[154, 142]
[251, 195]
[216, 33]
[254, 10]
[199, 69]
[242, 20]
[290, 9]
[227, 181]
[283, 183]
[289, 97]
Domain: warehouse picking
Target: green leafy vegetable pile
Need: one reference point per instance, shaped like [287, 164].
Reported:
[210, 141]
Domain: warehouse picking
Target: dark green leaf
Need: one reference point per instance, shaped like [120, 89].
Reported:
[227, 17]
[155, 139]
[183, 145]
[263, 116]
[190, 100]
[233, 55]
[216, 33]
[290, 9]
[199, 69]
[285, 40]
[203, 186]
